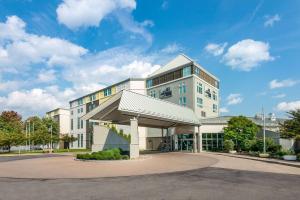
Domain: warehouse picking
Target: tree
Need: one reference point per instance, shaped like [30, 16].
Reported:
[68, 139]
[11, 129]
[40, 130]
[11, 122]
[240, 129]
[291, 127]
[11, 139]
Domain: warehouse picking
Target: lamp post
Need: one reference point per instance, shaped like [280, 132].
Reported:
[264, 128]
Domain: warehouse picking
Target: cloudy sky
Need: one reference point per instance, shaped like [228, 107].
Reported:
[54, 51]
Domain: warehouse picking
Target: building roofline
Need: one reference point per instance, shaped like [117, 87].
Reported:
[191, 61]
[123, 81]
[57, 109]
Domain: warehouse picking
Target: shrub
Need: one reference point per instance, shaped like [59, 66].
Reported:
[228, 145]
[247, 145]
[284, 152]
[271, 146]
[110, 154]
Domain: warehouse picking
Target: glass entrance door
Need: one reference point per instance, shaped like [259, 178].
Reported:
[185, 142]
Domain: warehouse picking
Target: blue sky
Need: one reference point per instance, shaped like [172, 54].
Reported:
[54, 51]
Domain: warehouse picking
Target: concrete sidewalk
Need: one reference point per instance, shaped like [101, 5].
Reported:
[268, 160]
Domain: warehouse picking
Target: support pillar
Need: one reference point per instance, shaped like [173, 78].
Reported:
[199, 140]
[134, 140]
[194, 142]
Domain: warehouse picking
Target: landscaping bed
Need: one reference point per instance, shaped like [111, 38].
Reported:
[110, 154]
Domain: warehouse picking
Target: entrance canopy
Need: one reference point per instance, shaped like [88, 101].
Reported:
[149, 111]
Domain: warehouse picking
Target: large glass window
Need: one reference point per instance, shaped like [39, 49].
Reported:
[149, 83]
[199, 88]
[71, 124]
[197, 71]
[153, 93]
[186, 71]
[212, 141]
[80, 102]
[214, 96]
[215, 108]
[81, 123]
[107, 92]
[93, 97]
[199, 102]
[78, 123]
[182, 101]
[182, 88]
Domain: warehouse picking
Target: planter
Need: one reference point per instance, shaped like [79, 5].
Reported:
[232, 152]
[290, 157]
[264, 155]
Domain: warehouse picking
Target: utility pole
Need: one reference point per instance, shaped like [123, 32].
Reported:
[51, 140]
[264, 128]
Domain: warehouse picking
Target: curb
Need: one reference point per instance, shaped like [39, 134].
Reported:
[267, 161]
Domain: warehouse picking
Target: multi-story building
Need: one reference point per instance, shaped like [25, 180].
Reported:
[62, 116]
[81, 129]
[184, 82]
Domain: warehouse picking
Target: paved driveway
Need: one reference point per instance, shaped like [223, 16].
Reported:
[26, 157]
[205, 183]
[206, 176]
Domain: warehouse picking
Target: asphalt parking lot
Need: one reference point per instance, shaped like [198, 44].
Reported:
[205, 183]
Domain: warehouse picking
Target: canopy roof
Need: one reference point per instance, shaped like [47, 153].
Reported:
[151, 112]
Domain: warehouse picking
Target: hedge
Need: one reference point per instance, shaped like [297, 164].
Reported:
[110, 154]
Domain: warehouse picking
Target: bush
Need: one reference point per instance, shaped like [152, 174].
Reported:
[284, 152]
[228, 145]
[271, 146]
[110, 154]
[247, 145]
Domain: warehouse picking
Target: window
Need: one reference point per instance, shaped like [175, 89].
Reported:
[214, 96]
[71, 124]
[81, 123]
[93, 97]
[78, 110]
[80, 102]
[71, 112]
[203, 114]
[199, 88]
[182, 101]
[215, 108]
[197, 71]
[81, 140]
[199, 102]
[78, 123]
[149, 83]
[81, 110]
[208, 93]
[152, 93]
[78, 140]
[186, 71]
[107, 92]
[182, 88]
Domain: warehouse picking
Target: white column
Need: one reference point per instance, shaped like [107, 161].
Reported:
[134, 141]
[194, 142]
[175, 142]
[199, 140]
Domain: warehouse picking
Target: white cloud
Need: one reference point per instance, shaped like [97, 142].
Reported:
[288, 106]
[234, 99]
[247, 54]
[215, 49]
[224, 110]
[279, 96]
[172, 48]
[80, 13]
[85, 13]
[270, 20]
[46, 76]
[19, 49]
[274, 84]
[10, 85]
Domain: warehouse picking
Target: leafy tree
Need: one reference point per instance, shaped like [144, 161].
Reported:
[40, 130]
[291, 128]
[11, 122]
[240, 129]
[68, 139]
[11, 139]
